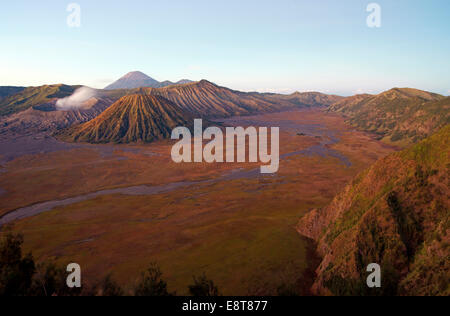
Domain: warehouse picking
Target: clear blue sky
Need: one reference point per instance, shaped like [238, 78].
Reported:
[282, 45]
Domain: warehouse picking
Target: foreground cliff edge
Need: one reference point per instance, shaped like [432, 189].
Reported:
[395, 214]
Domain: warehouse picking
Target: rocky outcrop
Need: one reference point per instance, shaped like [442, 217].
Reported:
[395, 214]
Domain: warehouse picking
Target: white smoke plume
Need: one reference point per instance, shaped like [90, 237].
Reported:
[77, 99]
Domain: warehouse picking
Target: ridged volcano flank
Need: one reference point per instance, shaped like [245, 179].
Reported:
[133, 118]
[205, 99]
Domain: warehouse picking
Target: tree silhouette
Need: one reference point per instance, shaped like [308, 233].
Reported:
[203, 287]
[16, 271]
[151, 283]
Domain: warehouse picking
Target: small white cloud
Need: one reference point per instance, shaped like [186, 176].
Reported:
[77, 99]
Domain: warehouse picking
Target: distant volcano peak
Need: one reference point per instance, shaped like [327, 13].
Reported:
[138, 79]
[136, 75]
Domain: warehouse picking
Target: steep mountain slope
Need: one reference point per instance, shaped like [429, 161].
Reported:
[205, 99]
[33, 96]
[8, 91]
[137, 79]
[349, 104]
[133, 118]
[399, 116]
[395, 214]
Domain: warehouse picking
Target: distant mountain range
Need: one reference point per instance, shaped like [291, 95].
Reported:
[137, 79]
[149, 114]
[307, 99]
[205, 99]
[395, 214]
[33, 109]
[398, 116]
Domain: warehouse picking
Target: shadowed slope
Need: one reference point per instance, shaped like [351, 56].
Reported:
[134, 118]
[400, 116]
[394, 214]
[8, 91]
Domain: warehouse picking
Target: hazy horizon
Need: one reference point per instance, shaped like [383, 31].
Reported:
[259, 46]
[260, 91]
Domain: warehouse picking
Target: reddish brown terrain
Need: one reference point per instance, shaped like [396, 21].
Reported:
[106, 194]
[133, 118]
[225, 220]
[394, 214]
